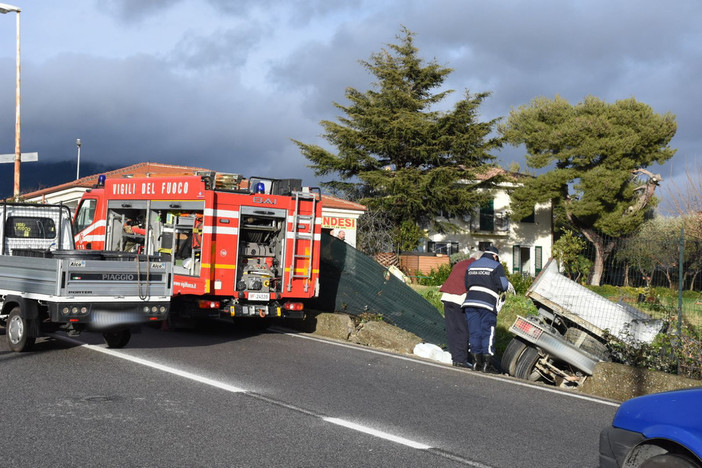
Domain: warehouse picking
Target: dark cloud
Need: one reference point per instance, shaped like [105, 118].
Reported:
[231, 96]
[130, 11]
[139, 109]
[220, 49]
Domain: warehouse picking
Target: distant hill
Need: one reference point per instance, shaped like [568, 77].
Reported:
[38, 175]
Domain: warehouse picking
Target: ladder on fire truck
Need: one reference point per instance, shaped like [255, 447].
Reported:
[309, 222]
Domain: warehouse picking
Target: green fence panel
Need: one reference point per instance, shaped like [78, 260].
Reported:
[353, 283]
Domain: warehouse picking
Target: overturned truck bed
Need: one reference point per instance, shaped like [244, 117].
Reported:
[564, 341]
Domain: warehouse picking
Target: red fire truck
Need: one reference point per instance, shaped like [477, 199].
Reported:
[240, 248]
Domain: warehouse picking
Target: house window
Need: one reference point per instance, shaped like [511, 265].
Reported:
[529, 219]
[483, 246]
[487, 217]
[446, 248]
[521, 259]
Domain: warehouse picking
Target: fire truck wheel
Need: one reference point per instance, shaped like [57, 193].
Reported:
[17, 329]
[526, 365]
[514, 351]
[117, 338]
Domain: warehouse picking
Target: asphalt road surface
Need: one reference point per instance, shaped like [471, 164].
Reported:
[217, 396]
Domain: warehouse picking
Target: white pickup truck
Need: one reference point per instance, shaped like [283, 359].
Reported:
[46, 285]
[562, 344]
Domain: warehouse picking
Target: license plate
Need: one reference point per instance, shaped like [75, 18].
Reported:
[259, 296]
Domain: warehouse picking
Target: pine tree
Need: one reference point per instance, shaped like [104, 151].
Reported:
[397, 154]
[596, 157]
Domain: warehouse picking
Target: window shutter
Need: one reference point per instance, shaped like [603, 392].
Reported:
[516, 259]
[538, 262]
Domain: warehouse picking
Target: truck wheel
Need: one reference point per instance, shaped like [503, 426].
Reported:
[117, 338]
[514, 350]
[526, 365]
[16, 330]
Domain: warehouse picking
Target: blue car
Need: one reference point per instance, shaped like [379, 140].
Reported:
[663, 429]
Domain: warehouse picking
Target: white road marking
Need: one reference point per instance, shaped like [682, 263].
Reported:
[234, 389]
[376, 433]
[154, 365]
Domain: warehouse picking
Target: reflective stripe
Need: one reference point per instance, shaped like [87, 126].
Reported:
[222, 213]
[220, 230]
[93, 238]
[485, 290]
[472, 268]
[491, 343]
[93, 227]
[480, 305]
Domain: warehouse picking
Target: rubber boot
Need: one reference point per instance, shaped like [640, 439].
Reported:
[487, 366]
[477, 361]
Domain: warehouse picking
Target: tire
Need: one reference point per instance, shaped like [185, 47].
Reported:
[514, 350]
[117, 338]
[526, 365]
[17, 330]
[669, 460]
[588, 344]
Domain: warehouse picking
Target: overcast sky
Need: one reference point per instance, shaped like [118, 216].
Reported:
[226, 84]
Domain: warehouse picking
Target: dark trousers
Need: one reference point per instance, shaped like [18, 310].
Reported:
[481, 323]
[456, 331]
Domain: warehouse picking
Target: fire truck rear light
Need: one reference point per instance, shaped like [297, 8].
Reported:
[293, 306]
[153, 318]
[203, 304]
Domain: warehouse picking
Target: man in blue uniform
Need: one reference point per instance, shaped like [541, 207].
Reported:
[486, 281]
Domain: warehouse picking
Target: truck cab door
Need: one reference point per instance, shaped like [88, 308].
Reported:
[90, 233]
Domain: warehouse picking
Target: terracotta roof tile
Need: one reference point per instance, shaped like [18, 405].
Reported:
[161, 170]
[137, 170]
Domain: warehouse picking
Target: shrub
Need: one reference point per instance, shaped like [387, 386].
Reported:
[659, 355]
[457, 257]
[434, 298]
[520, 282]
[436, 277]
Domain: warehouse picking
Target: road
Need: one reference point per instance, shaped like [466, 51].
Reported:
[216, 396]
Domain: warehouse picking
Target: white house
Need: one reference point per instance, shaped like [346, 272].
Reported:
[524, 245]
